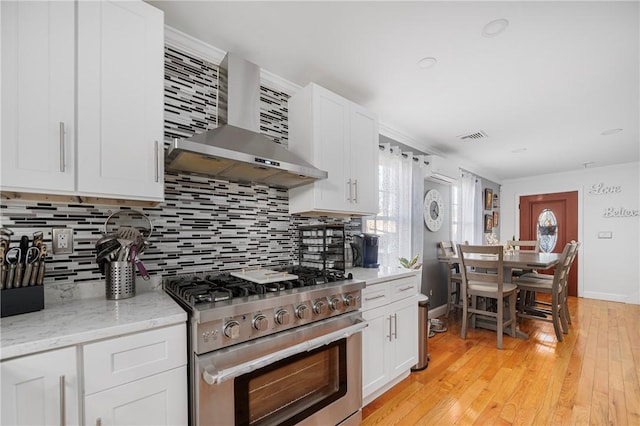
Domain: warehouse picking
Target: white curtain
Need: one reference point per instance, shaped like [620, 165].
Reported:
[465, 226]
[393, 222]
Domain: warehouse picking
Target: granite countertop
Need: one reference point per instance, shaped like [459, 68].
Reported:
[79, 321]
[383, 273]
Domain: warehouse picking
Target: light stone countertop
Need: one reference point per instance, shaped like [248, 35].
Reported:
[373, 276]
[78, 321]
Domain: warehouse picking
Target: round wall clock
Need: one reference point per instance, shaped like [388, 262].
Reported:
[433, 210]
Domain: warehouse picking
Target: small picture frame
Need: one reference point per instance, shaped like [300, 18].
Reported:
[496, 201]
[495, 219]
[488, 223]
[488, 198]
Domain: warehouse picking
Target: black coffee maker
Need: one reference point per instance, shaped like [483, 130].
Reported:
[365, 251]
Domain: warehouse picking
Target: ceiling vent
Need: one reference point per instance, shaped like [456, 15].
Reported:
[480, 134]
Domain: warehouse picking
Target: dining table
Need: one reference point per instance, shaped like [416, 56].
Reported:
[512, 259]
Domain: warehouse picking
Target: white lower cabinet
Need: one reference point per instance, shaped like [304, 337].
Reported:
[390, 342]
[40, 389]
[157, 400]
[138, 379]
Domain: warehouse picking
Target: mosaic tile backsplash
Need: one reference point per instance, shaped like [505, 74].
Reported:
[204, 224]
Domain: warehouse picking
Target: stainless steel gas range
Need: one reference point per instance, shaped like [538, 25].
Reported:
[273, 346]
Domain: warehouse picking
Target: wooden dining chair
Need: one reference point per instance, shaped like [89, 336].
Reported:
[555, 311]
[550, 278]
[483, 278]
[524, 246]
[454, 278]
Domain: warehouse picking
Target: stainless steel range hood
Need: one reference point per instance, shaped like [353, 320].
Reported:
[236, 150]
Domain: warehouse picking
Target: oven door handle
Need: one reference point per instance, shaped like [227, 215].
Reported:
[212, 376]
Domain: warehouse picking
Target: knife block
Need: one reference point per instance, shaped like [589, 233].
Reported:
[16, 301]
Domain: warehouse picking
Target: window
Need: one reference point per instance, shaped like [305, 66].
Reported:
[466, 206]
[393, 223]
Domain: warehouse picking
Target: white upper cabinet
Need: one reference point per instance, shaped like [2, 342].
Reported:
[117, 110]
[340, 137]
[120, 99]
[38, 96]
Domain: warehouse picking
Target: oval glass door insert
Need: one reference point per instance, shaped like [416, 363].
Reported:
[547, 231]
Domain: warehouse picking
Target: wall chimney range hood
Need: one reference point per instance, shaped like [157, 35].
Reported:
[236, 150]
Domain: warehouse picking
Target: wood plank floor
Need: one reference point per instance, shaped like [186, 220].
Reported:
[592, 378]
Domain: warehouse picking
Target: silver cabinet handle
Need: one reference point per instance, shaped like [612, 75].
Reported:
[63, 419]
[349, 199]
[157, 152]
[374, 297]
[395, 326]
[61, 146]
[355, 190]
[406, 288]
[389, 336]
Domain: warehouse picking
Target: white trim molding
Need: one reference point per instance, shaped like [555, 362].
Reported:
[207, 52]
[193, 46]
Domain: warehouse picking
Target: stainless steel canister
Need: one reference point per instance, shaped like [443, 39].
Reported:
[121, 280]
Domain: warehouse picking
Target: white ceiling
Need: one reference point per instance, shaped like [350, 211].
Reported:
[551, 83]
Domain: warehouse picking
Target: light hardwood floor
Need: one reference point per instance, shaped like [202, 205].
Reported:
[590, 378]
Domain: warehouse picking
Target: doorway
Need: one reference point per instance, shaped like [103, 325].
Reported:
[552, 218]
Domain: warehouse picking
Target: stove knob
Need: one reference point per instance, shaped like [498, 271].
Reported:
[260, 322]
[282, 317]
[349, 300]
[302, 312]
[335, 303]
[232, 329]
[320, 307]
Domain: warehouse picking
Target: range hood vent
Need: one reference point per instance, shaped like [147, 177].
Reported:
[236, 150]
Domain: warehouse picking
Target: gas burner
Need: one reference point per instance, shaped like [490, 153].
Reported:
[211, 288]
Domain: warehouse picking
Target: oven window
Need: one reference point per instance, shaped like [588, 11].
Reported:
[290, 390]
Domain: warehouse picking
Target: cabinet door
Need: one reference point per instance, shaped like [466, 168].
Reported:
[405, 334]
[38, 77]
[40, 389]
[375, 342]
[364, 160]
[120, 99]
[331, 149]
[155, 400]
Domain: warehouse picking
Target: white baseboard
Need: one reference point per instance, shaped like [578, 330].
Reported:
[609, 297]
[438, 312]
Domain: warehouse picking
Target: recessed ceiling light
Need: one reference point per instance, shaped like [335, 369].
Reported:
[495, 27]
[519, 150]
[611, 132]
[428, 62]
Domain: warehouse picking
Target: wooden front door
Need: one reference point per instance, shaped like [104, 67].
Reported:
[564, 206]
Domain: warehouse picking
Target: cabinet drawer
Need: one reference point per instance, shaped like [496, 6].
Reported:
[375, 296]
[124, 359]
[403, 288]
[157, 400]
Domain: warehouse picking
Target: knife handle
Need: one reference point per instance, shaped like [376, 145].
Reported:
[10, 275]
[17, 282]
[3, 276]
[27, 274]
[34, 273]
[41, 273]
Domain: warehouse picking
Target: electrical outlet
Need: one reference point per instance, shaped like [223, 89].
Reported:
[62, 240]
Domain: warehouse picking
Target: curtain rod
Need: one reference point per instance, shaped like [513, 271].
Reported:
[416, 159]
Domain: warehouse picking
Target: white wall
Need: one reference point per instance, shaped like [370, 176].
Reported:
[609, 269]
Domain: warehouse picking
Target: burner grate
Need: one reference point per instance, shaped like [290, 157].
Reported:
[209, 288]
